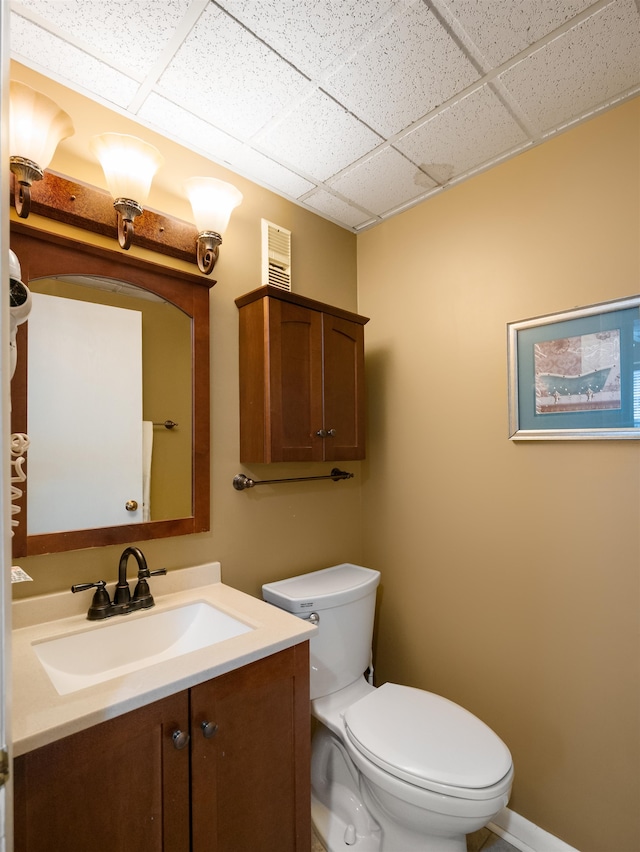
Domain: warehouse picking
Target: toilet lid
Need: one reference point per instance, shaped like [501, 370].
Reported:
[425, 739]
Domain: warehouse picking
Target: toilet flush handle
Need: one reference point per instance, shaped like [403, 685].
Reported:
[314, 618]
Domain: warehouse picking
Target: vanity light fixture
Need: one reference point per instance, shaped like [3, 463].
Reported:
[36, 126]
[129, 165]
[212, 202]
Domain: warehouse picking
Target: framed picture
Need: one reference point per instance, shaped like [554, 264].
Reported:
[576, 375]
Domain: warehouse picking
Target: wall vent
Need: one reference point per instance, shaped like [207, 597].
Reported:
[276, 255]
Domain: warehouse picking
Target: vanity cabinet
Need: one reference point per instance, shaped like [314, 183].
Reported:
[222, 767]
[301, 379]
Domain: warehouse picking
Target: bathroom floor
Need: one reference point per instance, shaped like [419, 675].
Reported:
[484, 840]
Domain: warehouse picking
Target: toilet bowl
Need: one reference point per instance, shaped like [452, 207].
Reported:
[394, 769]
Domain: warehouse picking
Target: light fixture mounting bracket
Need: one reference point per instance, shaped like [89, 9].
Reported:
[26, 172]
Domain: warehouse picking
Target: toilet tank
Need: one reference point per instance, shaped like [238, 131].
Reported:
[343, 597]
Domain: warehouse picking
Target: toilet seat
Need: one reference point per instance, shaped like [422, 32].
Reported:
[428, 741]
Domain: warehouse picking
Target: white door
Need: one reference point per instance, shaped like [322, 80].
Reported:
[84, 415]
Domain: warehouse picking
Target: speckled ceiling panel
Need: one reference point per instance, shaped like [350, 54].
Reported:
[224, 72]
[470, 132]
[62, 59]
[335, 208]
[383, 182]
[177, 122]
[574, 70]
[319, 137]
[311, 34]
[503, 28]
[410, 67]
[270, 173]
[127, 36]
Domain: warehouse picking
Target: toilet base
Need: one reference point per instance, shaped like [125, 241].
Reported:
[332, 831]
[343, 804]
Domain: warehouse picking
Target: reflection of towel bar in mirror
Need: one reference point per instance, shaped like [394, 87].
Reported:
[240, 481]
[168, 424]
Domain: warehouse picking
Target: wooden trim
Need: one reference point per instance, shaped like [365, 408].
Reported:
[42, 254]
[295, 299]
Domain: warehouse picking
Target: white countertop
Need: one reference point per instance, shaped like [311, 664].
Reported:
[40, 715]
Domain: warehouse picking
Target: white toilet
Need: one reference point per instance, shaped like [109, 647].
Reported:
[394, 769]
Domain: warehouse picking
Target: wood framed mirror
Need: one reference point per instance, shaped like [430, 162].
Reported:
[55, 264]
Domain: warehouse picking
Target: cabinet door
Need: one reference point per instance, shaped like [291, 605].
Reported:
[344, 405]
[120, 785]
[295, 344]
[250, 776]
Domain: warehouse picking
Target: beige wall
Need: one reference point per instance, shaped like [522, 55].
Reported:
[271, 531]
[510, 570]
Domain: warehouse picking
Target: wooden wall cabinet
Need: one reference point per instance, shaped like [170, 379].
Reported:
[239, 784]
[302, 393]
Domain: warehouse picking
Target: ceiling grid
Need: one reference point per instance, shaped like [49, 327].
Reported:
[354, 110]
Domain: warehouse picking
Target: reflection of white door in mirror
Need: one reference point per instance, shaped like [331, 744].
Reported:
[84, 412]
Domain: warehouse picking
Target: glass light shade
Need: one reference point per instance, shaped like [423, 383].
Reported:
[36, 125]
[212, 202]
[129, 164]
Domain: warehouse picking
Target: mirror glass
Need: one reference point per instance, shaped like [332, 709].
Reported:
[101, 385]
[112, 388]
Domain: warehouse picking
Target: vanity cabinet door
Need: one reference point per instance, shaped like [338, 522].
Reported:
[250, 756]
[120, 785]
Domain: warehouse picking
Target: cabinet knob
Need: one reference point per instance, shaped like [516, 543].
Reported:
[208, 729]
[326, 433]
[180, 739]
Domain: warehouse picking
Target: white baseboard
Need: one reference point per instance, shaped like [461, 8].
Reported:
[526, 836]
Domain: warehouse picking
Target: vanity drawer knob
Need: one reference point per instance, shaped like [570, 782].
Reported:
[209, 729]
[131, 505]
[180, 739]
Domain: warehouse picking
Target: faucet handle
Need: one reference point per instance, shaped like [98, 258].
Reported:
[142, 591]
[101, 603]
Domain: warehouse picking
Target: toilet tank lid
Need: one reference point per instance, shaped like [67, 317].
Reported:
[329, 587]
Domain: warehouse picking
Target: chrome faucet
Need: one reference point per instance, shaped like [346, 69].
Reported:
[123, 603]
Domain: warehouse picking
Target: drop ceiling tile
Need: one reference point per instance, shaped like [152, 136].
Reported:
[409, 68]
[382, 182]
[337, 209]
[188, 129]
[56, 58]
[224, 72]
[503, 28]
[311, 34]
[471, 131]
[270, 173]
[318, 137]
[575, 71]
[128, 35]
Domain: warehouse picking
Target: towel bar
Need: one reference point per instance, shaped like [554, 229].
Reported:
[240, 481]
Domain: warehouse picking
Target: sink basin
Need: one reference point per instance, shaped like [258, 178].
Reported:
[125, 644]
